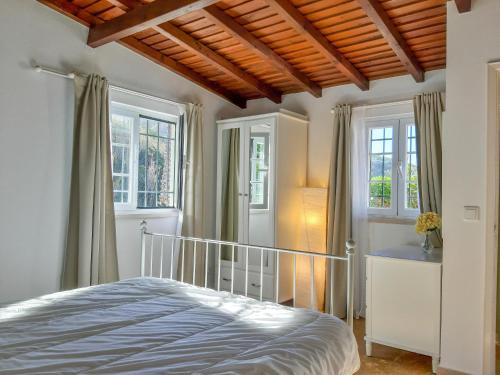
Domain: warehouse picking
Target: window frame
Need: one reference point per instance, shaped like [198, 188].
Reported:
[136, 113]
[402, 177]
[399, 126]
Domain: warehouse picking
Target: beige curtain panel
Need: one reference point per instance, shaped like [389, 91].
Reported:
[428, 110]
[339, 211]
[230, 190]
[192, 200]
[90, 256]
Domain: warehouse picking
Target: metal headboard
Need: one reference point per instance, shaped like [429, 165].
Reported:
[200, 244]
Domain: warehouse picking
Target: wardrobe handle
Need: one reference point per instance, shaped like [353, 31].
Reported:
[255, 285]
[226, 279]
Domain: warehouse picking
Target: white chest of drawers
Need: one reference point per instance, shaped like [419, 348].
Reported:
[403, 300]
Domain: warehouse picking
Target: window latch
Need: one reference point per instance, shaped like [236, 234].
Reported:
[400, 169]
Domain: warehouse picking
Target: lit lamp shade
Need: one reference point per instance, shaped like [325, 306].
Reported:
[314, 202]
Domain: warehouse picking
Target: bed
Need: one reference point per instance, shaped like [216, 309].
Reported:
[151, 325]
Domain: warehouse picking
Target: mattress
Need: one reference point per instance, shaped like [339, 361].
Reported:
[157, 326]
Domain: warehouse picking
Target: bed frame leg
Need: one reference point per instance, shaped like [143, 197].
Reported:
[350, 250]
[144, 228]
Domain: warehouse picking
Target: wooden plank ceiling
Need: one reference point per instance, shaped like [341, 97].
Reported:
[248, 49]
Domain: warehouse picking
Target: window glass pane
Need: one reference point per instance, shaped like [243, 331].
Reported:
[166, 130]
[143, 125]
[150, 199]
[380, 164]
[387, 165]
[141, 199]
[156, 165]
[117, 159]
[152, 127]
[121, 138]
[376, 166]
[386, 194]
[388, 146]
[117, 183]
[152, 164]
[377, 133]
[377, 147]
[388, 133]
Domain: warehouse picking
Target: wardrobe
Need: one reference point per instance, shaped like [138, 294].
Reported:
[262, 166]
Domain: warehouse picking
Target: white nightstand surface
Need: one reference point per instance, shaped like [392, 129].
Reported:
[410, 253]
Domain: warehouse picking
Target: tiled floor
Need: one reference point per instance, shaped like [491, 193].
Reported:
[389, 361]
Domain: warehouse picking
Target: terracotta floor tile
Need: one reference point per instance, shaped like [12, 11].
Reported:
[389, 361]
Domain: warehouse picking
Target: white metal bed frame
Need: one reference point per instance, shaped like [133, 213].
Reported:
[181, 241]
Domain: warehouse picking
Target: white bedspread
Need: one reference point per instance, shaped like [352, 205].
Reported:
[154, 326]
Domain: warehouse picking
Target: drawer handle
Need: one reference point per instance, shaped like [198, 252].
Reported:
[226, 279]
[255, 285]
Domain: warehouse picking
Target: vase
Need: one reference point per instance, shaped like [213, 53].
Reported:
[427, 244]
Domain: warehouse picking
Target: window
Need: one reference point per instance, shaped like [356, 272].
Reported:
[392, 166]
[146, 158]
[259, 161]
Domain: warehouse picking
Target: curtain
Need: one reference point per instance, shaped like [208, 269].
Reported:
[359, 186]
[192, 217]
[90, 256]
[339, 211]
[428, 109]
[230, 189]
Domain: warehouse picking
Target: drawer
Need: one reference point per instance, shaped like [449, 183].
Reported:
[253, 283]
[254, 286]
[239, 280]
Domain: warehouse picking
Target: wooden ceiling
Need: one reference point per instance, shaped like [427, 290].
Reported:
[248, 49]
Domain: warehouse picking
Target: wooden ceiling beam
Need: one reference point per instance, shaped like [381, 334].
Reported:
[306, 29]
[463, 6]
[233, 28]
[141, 18]
[191, 44]
[169, 63]
[87, 19]
[72, 11]
[381, 19]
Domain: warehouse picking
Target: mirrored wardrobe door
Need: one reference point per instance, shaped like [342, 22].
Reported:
[259, 185]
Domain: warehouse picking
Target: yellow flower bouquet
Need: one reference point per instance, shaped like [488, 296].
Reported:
[427, 223]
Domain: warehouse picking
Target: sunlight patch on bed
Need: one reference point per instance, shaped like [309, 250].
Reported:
[259, 315]
[31, 306]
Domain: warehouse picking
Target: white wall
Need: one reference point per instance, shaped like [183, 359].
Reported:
[36, 140]
[473, 41]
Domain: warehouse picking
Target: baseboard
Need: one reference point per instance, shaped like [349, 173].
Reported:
[446, 371]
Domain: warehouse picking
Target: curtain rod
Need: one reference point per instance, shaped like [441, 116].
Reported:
[42, 69]
[379, 105]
